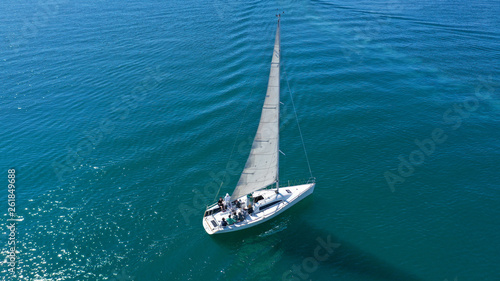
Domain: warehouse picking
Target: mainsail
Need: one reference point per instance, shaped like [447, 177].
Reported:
[261, 168]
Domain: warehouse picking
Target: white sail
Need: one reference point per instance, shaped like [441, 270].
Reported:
[261, 168]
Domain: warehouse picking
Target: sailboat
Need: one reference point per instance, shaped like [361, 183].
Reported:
[258, 196]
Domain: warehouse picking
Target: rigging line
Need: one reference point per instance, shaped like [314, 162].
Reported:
[237, 135]
[297, 119]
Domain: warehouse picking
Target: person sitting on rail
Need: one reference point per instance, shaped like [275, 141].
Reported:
[221, 204]
[224, 222]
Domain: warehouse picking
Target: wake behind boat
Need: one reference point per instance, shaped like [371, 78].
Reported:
[258, 196]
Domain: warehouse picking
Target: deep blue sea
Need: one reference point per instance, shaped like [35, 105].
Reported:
[121, 119]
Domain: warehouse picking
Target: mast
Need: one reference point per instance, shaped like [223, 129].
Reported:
[278, 40]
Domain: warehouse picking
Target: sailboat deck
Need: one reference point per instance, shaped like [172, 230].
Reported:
[271, 205]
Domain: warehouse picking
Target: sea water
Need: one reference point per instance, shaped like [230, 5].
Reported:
[124, 119]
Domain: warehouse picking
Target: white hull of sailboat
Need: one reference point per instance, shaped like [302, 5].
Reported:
[269, 207]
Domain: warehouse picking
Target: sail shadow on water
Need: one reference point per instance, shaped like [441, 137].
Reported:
[345, 256]
[280, 245]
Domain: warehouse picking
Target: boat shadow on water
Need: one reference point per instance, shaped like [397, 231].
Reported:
[288, 241]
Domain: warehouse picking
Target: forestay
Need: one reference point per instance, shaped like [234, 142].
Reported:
[261, 168]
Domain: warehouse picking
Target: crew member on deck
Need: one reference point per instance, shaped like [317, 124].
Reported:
[221, 204]
[228, 201]
[240, 216]
[250, 209]
[230, 220]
